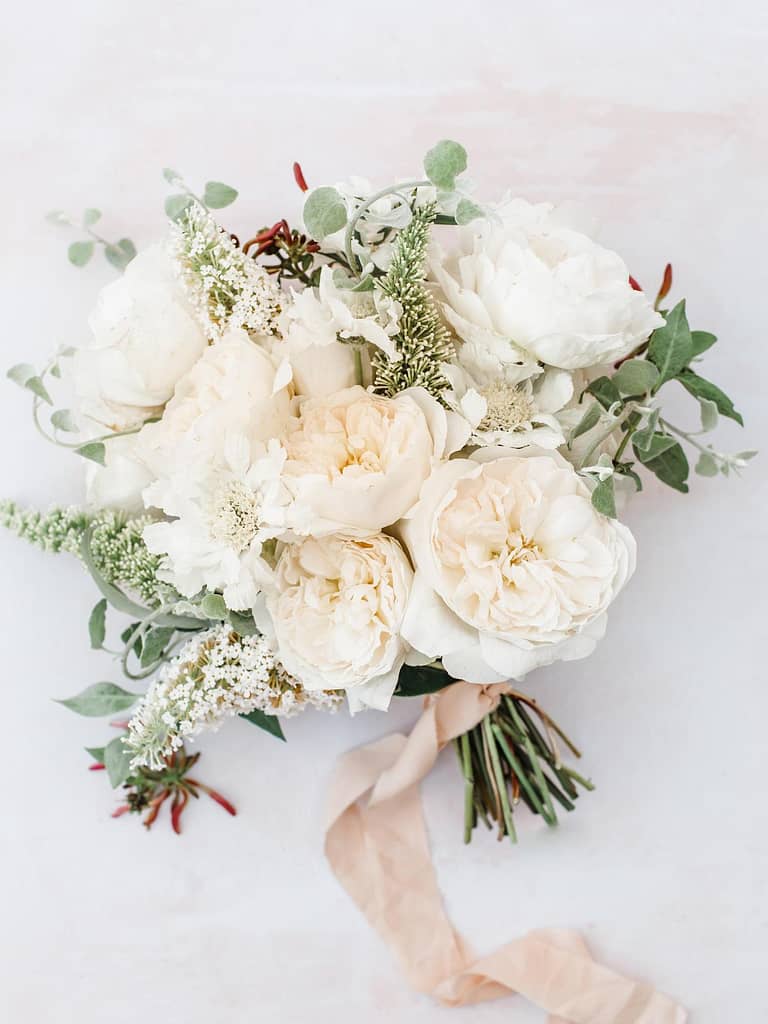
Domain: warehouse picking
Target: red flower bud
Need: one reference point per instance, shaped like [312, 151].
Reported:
[634, 284]
[298, 175]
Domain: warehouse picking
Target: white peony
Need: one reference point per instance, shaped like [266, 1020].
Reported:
[119, 483]
[514, 567]
[356, 461]
[145, 338]
[317, 326]
[336, 606]
[534, 286]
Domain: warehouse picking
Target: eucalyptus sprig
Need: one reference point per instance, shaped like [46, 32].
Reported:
[119, 254]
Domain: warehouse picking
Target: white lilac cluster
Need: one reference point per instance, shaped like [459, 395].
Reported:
[401, 463]
[218, 675]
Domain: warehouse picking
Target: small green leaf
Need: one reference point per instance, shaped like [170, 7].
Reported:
[642, 439]
[670, 465]
[121, 253]
[709, 416]
[155, 642]
[702, 340]
[635, 377]
[324, 213]
[589, 420]
[444, 162]
[467, 211]
[704, 389]
[21, 374]
[97, 624]
[671, 346]
[36, 386]
[171, 176]
[604, 498]
[707, 465]
[63, 419]
[79, 253]
[97, 753]
[100, 699]
[177, 205]
[117, 761]
[213, 607]
[269, 723]
[58, 217]
[243, 625]
[417, 680]
[95, 451]
[91, 216]
[657, 444]
[605, 391]
[217, 195]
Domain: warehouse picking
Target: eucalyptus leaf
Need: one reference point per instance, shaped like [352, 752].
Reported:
[91, 216]
[63, 419]
[324, 212]
[269, 723]
[635, 377]
[97, 624]
[705, 389]
[589, 420]
[213, 606]
[155, 642]
[100, 699]
[79, 253]
[93, 450]
[604, 498]
[97, 753]
[177, 205]
[171, 176]
[21, 373]
[117, 761]
[709, 414]
[671, 346]
[217, 195]
[702, 340]
[444, 162]
[467, 211]
[707, 465]
[121, 253]
[58, 217]
[36, 386]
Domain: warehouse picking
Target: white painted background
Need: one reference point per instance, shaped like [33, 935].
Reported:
[653, 114]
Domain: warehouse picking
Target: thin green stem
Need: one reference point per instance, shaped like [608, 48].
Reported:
[501, 782]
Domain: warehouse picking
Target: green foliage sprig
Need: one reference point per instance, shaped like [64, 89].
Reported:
[119, 254]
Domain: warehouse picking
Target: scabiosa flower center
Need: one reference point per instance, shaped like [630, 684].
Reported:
[235, 518]
[509, 407]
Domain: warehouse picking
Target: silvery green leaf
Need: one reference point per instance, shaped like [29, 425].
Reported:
[643, 438]
[36, 386]
[707, 465]
[604, 499]
[171, 176]
[21, 373]
[746, 456]
[100, 699]
[700, 388]
[467, 211]
[589, 420]
[97, 624]
[93, 450]
[667, 461]
[155, 642]
[709, 415]
[58, 217]
[121, 253]
[91, 216]
[671, 346]
[79, 253]
[218, 195]
[243, 624]
[635, 377]
[605, 391]
[63, 419]
[97, 753]
[55, 370]
[213, 606]
[176, 206]
[444, 162]
[702, 340]
[117, 761]
[659, 443]
[324, 212]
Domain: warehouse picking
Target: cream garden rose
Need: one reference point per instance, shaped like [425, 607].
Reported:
[356, 461]
[145, 338]
[533, 287]
[336, 607]
[515, 568]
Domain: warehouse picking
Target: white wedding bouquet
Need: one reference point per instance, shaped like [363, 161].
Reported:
[360, 460]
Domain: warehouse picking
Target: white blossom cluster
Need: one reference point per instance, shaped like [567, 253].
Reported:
[226, 287]
[218, 674]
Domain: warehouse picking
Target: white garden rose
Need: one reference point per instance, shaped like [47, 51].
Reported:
[145, 337]
[120, 482]
[532, 286]
[514, 567]
[356, 461]
[336, 606]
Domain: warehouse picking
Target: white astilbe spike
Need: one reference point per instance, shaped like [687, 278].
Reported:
[217, 675]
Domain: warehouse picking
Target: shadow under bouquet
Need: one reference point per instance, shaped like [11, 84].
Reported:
[361, 459]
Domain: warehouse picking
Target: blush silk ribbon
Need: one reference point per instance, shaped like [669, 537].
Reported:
[376, 842]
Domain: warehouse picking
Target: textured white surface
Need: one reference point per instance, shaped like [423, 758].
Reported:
[654, 115]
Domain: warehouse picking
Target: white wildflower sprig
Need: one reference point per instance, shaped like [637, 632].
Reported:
[218, 674]
[227, 288]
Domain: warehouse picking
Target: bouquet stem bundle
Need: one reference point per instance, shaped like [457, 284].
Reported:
[507, 758]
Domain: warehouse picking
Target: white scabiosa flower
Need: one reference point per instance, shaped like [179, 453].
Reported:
[336, 606]
[515, 568]
[218, 674]
[531, 286]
